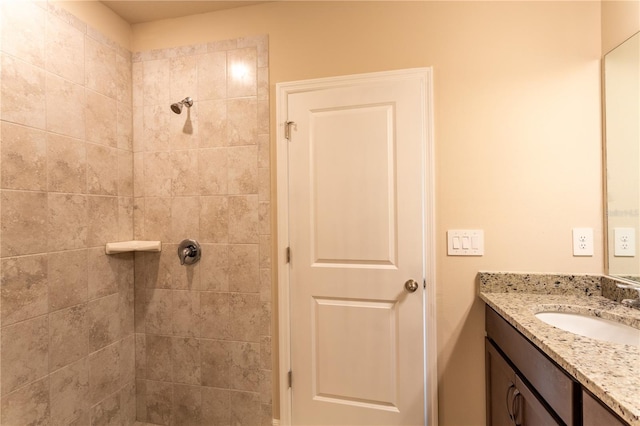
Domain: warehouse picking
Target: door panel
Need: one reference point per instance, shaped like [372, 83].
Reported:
[356, 232]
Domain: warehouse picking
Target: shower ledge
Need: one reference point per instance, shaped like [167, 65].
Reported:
[134, 245]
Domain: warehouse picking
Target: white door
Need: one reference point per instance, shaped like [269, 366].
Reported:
[356, 185]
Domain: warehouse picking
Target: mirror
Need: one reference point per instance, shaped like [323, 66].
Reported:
[622, 150]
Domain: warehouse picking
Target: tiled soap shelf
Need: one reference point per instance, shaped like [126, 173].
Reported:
[135, 245]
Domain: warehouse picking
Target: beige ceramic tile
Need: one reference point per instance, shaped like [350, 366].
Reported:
[185, 221]
[125, 173]
[23, 234]
[263, 117]
[265, 353]
[100, 68]
[65, 107]
[222, 45]
[215, 312]
[157, 174]
[245, 366]
[137, 118]
[25, 353]
[263, 84]
[124, 126]
[159, 402]
[101, 119]
[185, 179]
[125, 219]
[107, 411]
[241, 74]
[264, 151]
[243, 268]
[103, 274]
[137, 84]
[159, 352]
[104, 372]
[243, 219]
[103, 320]
[212, 123]
[124, 79]
[128, 403]
[69, 388]
[186, 313]
[138, 174]
[24, 288]
[127, 359]
[68, 278]
[67, 222]
[214, 219]
[102, 166]
[267, 415]
[242, 118]
[245, 408]
[184, 277]
[66, 164]
[264, 184]
[243, 170]
[186, 360]
[215, 406]
[24, 158]
[156, 127]
[187, 405]
[216, 362]
[64, 50]
[103, 220]
[155, 270]
[245, 317]
[184, 129]
[17, 79]
[183, 79]
[214, 268]
[141, 402]
[212, 167]
[23, 31]
[141, 356]
[159, 311]
[264, 218]
[28, 405]
[212, 76]
[156, 82]
[266, 383]
[127, 307]
[265, 285]
[157, 219]
[265, 251]
[68, 336]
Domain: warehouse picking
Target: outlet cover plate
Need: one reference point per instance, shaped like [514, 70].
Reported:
[583, 241]
[624, 242]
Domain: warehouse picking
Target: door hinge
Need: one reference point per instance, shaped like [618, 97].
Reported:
[290, 378]
[287, 254]
[287, 129]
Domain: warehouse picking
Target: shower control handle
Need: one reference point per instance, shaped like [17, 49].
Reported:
[189, 252]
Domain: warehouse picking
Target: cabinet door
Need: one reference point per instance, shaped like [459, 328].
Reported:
[501, 385]
[530, 411]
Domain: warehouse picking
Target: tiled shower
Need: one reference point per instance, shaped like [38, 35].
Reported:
[91, 153]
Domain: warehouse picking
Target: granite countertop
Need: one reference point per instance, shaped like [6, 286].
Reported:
[608, 370]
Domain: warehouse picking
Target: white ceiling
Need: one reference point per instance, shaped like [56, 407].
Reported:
[137, 11]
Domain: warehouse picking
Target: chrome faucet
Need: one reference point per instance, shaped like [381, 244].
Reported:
[189, 252]
[632, 303]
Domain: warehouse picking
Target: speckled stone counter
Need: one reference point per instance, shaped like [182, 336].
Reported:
[608, 370]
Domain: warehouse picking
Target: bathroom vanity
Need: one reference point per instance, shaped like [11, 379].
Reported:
[537, 374]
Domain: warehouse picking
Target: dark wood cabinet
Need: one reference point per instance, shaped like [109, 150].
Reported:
[526, 388]
[509, 400]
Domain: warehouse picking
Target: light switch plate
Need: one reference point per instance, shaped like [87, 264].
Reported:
[465, 242]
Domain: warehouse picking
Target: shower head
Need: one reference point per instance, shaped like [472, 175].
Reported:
[177, 107]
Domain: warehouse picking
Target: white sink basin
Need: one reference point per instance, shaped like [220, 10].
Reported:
[592, 326]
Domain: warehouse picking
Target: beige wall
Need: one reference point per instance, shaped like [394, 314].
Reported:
[517, 131]
[620, 20]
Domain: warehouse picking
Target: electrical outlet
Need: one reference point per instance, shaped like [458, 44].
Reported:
[583, 241]
[624, 242]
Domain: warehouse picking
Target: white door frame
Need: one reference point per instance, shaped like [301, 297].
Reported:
[282, 167]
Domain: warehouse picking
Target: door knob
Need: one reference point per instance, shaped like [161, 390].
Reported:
[411, 286]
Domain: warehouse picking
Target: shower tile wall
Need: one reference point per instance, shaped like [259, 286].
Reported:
[66, 188]
[203, 345]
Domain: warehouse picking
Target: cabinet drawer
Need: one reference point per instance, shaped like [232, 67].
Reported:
[551, 383]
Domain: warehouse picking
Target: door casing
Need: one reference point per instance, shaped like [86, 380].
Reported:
[283, 90]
